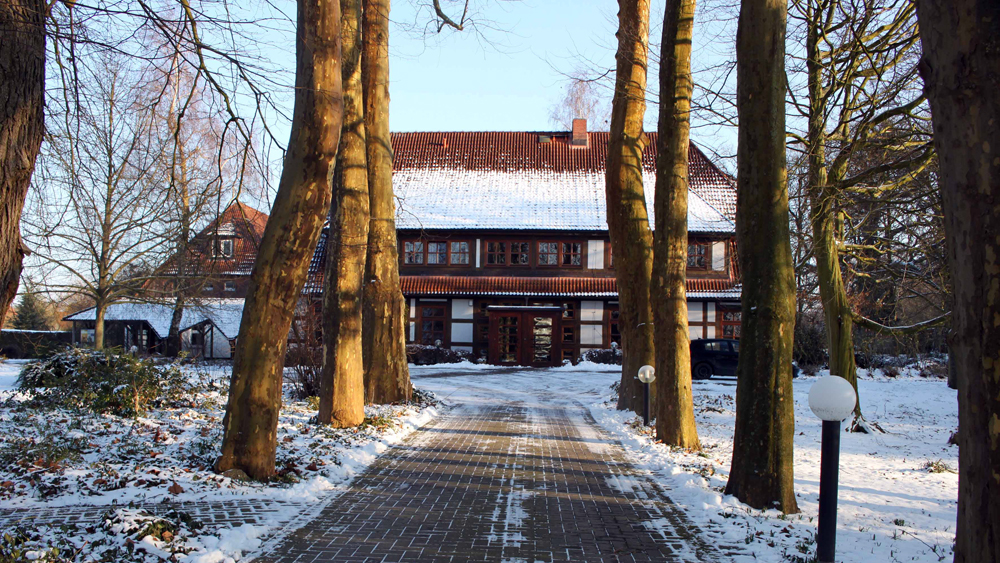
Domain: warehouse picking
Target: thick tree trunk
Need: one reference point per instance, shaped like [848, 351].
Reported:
[762, 473]
[961, 70]
[674, 402]
[628, 220]
[22, 87]
[387, 375]
[342, 386]
[289, 240]
[839, 319]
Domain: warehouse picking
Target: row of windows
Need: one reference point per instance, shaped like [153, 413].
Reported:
[226, 286]
[518, 253]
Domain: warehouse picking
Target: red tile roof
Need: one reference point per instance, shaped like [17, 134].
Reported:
[523, 151]
[247, 224]
[539, 287]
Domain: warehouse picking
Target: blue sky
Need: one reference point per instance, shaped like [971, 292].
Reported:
[509, 81]
[494, 80]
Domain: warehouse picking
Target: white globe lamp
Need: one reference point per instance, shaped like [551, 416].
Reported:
[832, 398]
[647, 374]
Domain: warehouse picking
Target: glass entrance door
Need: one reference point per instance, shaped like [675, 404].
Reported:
[508, 340]
[541, 353]
[524, 337]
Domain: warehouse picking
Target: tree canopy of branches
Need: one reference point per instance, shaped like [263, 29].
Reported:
[96, 218]
[43, 48]
[863, 140]
[582, 100]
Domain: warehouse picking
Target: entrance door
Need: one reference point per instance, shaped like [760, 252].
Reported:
[505, 339]
[524, 336]
[541, 344]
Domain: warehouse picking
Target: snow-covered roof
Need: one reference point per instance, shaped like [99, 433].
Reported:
[448, 198]
[534, 180]
[225, 314]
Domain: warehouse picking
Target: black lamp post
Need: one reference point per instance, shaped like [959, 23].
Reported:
[832, 399]
[647, 374]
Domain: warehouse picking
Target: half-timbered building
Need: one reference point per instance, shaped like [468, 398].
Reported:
[504, 248]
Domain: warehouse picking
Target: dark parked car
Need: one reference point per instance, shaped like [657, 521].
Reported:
[717, 356]
[714, 357]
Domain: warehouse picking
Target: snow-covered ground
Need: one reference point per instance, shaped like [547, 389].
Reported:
[58, 458]
[898, 490]
[8, 373]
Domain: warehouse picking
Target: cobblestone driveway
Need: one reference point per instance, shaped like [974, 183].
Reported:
[499, 483]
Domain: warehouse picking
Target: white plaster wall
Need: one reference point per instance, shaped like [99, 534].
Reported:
[461, 309]
[220, 346]
[592, 334]
[595, 254]
[695, 312]
[461, 332]
[711, 331]
[696, 332]
[592, 311]
[718, 256]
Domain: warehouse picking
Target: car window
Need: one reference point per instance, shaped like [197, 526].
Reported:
[736, 346]
[713, 346]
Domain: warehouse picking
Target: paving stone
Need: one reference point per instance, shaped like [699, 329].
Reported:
[504, 483]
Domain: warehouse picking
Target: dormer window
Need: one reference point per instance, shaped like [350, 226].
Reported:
[697, 256]
[223, 248]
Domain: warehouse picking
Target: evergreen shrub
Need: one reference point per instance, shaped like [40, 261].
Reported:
[104, 382]
[423, 355]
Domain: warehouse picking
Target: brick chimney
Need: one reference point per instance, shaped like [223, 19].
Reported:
[579, 139]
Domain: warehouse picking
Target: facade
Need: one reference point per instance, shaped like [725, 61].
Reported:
[503, 245]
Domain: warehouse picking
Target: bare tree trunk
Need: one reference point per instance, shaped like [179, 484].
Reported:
[342, 385]
[961, 70]
[838, 316]
[674, 402]
[388, 377]
[762, 473]
[22, 87]
[300, 207]
[628, 221]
